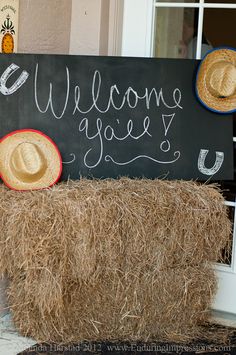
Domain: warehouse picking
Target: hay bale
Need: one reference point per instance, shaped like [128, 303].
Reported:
[119, 305]
[113, 259]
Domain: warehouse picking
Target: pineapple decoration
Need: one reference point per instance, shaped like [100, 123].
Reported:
[8, 32]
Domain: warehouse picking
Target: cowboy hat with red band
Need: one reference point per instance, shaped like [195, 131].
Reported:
[29, 160]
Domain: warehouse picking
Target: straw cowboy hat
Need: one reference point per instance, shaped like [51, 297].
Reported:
[216, 80]
[29, 160]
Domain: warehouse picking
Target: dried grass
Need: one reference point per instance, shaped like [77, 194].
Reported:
[113, 259]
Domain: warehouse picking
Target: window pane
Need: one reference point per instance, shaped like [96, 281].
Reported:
[175, 32]
[219, 27]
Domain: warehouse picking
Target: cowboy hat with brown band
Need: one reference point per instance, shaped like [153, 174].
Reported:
[216, 80]
[29, 160]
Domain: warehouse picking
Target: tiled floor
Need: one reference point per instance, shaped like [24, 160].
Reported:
[11, 343]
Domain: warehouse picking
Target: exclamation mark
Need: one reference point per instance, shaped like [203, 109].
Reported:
[167, 120]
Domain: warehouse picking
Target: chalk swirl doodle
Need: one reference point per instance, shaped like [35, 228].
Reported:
[72, 160]
[177, 155]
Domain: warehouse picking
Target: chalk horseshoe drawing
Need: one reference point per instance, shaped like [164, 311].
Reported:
[216, 167]
[17, 84]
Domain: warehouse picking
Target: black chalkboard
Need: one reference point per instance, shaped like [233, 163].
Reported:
[114, 116]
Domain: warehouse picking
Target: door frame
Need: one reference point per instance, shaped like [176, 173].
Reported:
[137, 40]
[116, 13]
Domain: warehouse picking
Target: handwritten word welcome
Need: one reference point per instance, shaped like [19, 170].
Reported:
[130, 98]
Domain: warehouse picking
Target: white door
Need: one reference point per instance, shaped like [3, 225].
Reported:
[175, 30]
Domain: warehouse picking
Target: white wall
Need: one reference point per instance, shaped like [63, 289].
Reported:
[44, 26]
[89, 27]
[64, 26]
[85, 27]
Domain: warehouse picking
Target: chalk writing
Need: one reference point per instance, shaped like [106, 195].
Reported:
[117, 101]
[165, 146]
[50, 99]
[131, 98]
[116, 116]
[102, 133]
[167, 120]
[72, 160]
